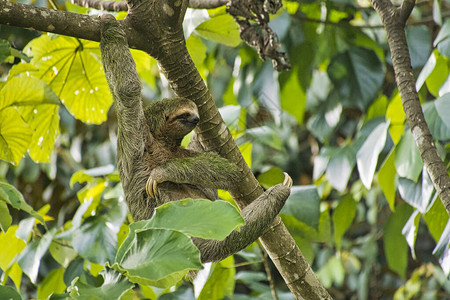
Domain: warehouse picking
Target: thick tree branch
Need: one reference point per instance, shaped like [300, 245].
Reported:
[394, 20]
[110, 5]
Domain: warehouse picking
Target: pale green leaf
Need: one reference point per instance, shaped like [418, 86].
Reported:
[367, 155]
[221, 29]
[332, 272]
[436, 218]
[410, 231]
[342, 218]
[196, 49]
[340, 167]
[304, 204]
[293, 97]
[62, 252]
[15, 135]
[10, 293]
[396, 115]
[73, 70]
[408, 162]
[30, 258]
[11, 247]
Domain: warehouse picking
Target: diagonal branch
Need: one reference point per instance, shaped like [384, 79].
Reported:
[111, 5]
[394, 20]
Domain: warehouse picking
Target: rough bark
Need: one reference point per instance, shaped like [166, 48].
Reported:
[394, 20]
[155, 26]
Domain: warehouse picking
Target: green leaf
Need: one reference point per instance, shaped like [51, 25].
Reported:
[62, 252]
[73, 70]
[26, 91]
[342, 218]
[438, 76]
[419, 44]
[293, 97]
[410, 231]
[220, 284]
[30, 258]
[221, 29]
[5, 217]
[358, 74]
[271, 177]
[114, 286]
[396, 115]
[442, 40]
[395, 245]
[266, 135]
[5, 50]
[340, 168]
[436, 218]
[52, 283]
[213, 219]
[83, 176]
[332, 272]
[426, 70]
[158, 257]
[442, 107]
[10, 293]
[442, 250]
[386, 179]
[196, 49]
[15, 135]
[418, 194]
[408, 162]
[13, 197]
[438, 127]
[304, 204]
[96, 238]
[367, 155]
[11, 247]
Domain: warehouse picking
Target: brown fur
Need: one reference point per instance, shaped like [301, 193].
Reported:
[149, 149]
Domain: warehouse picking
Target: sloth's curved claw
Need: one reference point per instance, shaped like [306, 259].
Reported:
[287, 180]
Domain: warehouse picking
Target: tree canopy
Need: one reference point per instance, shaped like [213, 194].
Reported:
[316, 89]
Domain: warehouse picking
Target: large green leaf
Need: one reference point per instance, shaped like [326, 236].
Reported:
[73, 70]
[30, 258]
[221, 29]
[408, 162]
[419, 44]
[342, 218]
[158, 257]
[304, 204]
[437, 119]
[358, 74]
[395, 246]
[293, 97]
[436, 218]
[367, 155]
[10, 249]
[418, 194]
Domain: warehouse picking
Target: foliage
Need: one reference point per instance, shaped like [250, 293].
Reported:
[361, 205]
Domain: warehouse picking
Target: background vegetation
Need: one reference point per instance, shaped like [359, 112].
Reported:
[363, 209]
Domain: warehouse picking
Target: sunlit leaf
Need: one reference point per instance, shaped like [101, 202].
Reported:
[396, 115]
[436, 218]
[221, 29]
[340, 168]
[293, 97]
[52, 283]
[11, 248]
[386, 179]
[13, 197]
[72, 68]
[5, 217]
[15, 135]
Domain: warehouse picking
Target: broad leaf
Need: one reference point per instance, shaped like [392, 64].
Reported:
[304, 204]
[386, 179]
[410, 231]
[13, 197]
[158, 257]
[358, 74]
[15, 135]
[367, 155]
[220, 284]
[11, 247]
[10, 293]
[436, 218]
[340, 167]
[293, 97]
[53, 283]
[221, 29]
[5, 217]
[73, 70]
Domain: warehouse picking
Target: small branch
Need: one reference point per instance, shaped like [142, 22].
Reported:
[394, 21]
[205, 4]
[265, 261]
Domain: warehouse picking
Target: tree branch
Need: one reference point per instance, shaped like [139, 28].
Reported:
[110, 5]
[394, 20]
